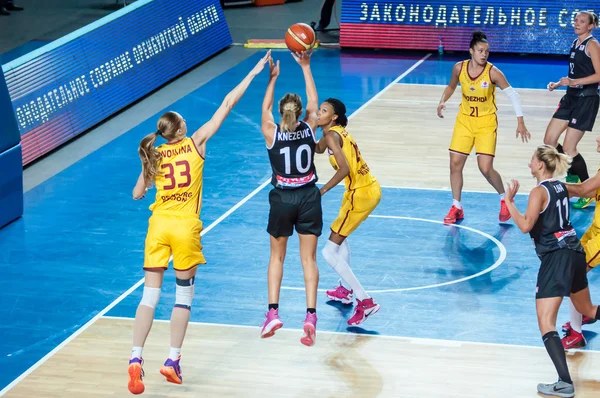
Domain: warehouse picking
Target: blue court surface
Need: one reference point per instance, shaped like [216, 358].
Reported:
[79, 245]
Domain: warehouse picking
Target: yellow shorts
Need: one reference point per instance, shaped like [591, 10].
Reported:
[175, 234]
[475, 131]
[591, 244]
[356, 207]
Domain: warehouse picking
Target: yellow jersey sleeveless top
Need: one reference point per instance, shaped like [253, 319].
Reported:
[179, 182]
[360, 174]
[478, 93]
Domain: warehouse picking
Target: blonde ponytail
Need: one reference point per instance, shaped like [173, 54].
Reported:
[556, 163]
[290, 107]
[150, 158]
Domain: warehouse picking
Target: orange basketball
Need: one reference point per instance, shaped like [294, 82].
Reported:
[300, 37]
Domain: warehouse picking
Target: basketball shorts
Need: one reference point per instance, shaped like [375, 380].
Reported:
[561, 273]
[357, 204]
[591, 244]
[470, 131]
[581, 112]
[295, 208]
[173, 234]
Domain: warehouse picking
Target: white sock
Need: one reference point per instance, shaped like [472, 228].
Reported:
[576, 318]
[344, 251]
[339, 265]
[456, 204]
[136, 352]
[174, 353]
[502, 196]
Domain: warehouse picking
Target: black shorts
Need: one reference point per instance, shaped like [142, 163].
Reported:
[581, 112]
[299, 208]
[561, 273]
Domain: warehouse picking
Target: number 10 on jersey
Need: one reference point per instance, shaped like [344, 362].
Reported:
[298, 165]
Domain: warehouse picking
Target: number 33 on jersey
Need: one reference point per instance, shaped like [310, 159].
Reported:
[179, 182]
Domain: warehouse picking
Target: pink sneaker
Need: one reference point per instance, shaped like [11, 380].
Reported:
[341, 294]
[271, 324]
[310, 329]
[362, 310]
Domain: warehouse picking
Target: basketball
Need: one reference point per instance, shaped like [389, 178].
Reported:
[300, 37]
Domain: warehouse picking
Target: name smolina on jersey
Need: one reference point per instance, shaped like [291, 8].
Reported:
[553, 230]
[580, 66]
[179, 182]
[292, 157]
[478, 93]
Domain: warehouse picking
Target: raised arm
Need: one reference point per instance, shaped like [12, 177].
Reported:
[450, 88]
[312, 99]
[267, 120]
[204, 133]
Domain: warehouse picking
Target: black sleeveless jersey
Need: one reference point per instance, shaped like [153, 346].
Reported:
[580, 66]
[292, 157]
[553, 230]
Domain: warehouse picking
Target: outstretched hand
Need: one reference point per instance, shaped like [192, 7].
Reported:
[525, 134]
[274, 68]
[303, 58]
[261, 63]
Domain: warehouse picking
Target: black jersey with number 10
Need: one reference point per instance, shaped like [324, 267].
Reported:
[553, 230]
[292, 157]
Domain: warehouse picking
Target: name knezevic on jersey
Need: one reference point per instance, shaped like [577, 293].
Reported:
[293, 135]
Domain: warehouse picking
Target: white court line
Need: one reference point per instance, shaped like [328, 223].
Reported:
[444, 85]
[496, 264]
[458, 103]
[211, 226]
[411, 340]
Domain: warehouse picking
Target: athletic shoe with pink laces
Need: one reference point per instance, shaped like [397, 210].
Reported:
[310, 329]
[271, 324]
[362, 310]
[341, 294]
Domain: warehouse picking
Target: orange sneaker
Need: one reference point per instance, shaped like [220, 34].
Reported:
[504, 213]
[172, 371]
[136, 385]
[454, 215]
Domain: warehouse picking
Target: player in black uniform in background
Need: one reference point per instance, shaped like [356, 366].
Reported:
[295, 199]
[577, 109]
[563, 266]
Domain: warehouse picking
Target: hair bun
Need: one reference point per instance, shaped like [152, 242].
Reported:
[478, 35]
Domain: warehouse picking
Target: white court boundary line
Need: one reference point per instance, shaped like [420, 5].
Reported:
[445, 189]
[411, 340]
[498, 262]
[516, 88]
[204, 231]
[454, 102]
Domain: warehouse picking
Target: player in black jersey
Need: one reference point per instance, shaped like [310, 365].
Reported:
[577, 109]
[563, 266]
[295, 200]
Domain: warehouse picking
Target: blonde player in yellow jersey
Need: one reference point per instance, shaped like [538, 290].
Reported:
[176, 169]
[590, 241]
[362, 195]
[477, 122]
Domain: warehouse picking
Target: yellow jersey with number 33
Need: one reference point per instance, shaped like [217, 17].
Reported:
[179, 182]
[478, 92]
[360, 174]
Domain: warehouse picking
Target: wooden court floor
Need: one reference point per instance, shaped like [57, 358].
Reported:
[222, 361]
[405, 144]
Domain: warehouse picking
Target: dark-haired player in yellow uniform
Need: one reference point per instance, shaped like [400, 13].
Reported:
[362, 195]
[477, 122]
[175, 168]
